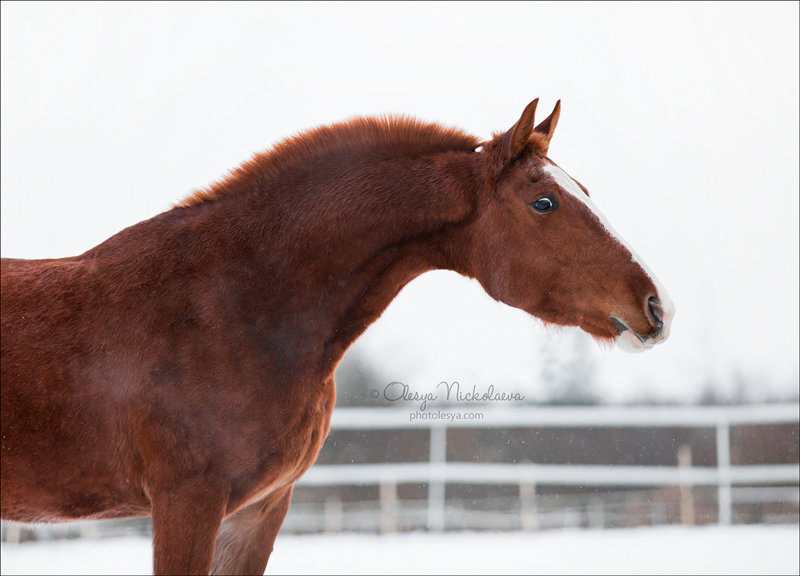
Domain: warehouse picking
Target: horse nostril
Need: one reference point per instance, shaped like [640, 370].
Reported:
[656, 311]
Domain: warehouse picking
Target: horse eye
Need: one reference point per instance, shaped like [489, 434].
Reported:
[543, 205]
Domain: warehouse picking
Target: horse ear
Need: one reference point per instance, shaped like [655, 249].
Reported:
[515, 140]
[548, 125]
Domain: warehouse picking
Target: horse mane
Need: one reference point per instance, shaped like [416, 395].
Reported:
[383, 135]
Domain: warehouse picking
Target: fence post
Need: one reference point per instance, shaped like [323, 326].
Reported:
[527, 501]
[723, 472]
[333, 514]
[596, 513]
[88, 529]
[13, 531]
[436, 484]
[388, 497]
[687, 497]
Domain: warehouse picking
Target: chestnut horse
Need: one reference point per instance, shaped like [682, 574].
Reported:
[184, 367]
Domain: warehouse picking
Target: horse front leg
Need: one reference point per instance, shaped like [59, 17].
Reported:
[186, 519]
[245, 540]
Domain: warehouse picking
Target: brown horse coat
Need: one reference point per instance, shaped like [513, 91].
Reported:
[184, 367]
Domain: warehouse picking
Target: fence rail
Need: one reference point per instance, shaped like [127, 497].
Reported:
[540, 474]
[437, 471]
[572, 417]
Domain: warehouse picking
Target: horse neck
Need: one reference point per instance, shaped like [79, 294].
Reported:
[329, 248]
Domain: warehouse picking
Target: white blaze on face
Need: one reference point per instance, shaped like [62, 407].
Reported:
[626, 340]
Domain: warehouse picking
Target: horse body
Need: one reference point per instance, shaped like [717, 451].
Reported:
[184, 367]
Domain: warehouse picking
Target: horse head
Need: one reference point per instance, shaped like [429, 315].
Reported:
[538, 242]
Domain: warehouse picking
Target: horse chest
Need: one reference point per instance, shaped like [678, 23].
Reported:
[284, 446]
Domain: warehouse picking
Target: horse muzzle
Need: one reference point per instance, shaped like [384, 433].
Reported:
[659, 315]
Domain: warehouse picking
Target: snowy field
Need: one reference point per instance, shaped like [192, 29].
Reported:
[663, 550]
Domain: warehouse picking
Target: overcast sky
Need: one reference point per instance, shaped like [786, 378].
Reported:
[681, 120]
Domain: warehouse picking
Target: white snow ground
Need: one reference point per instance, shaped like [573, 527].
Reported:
[661, 550]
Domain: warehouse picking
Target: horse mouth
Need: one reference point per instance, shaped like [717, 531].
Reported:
[630, 340]
[622, 327]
